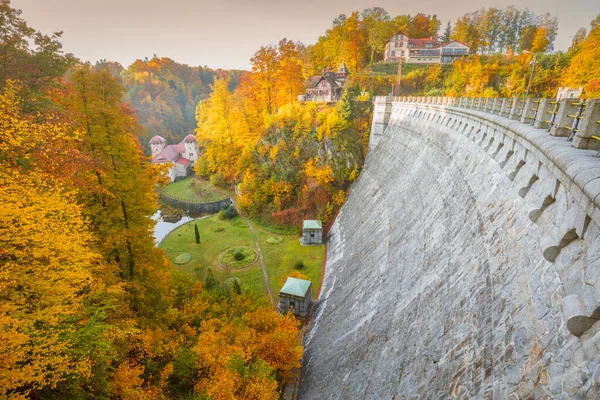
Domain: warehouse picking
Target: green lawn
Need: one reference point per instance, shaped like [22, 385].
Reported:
[391, 69]
[195, 190]
[216, 236]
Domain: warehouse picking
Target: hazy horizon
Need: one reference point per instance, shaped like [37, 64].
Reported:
[227, 33]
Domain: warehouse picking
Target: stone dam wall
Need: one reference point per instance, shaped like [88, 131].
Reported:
[465, 264]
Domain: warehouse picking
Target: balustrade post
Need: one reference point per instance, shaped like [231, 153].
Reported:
[526, 108]
[542, 114]
[588, 136]
[513, 113]
[564, 117]
[495, 105]
[503, 107]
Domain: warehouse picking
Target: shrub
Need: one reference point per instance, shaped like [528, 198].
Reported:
[218, 180]
[299, 264]
[231, 212]
[239, 255]
[183, 258]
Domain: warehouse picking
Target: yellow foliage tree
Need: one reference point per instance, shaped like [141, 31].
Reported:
[46, 266]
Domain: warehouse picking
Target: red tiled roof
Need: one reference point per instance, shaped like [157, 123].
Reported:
[422, 43]
[169, 153]
[157, 139]
[182, 161]
[189, 138]
[179, 147]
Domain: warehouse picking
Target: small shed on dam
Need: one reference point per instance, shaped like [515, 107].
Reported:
[296, 294]
[312, 232]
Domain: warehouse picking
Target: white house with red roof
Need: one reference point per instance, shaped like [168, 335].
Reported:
[181, 156]
[422, 51]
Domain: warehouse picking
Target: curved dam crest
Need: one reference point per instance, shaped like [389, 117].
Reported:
[465, 264]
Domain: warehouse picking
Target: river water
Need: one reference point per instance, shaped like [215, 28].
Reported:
[163, 228]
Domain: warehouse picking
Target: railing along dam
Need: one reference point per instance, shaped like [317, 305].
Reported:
[466, 261]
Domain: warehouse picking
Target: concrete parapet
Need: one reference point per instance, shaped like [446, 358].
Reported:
[588, 136]
[465, 264]
[567, 108]
[542, 114]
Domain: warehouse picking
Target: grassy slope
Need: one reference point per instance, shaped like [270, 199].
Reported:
[279, 258]
[392, 68]
[203, 192]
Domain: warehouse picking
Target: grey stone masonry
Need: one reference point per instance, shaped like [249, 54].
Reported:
[542, 116]
[514, 109]
[567, 108]
[465, 264]
[589, 127]
[526, 115]
[381, 114]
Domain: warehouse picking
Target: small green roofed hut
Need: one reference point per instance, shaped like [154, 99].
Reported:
[312, 232]
[297, 295]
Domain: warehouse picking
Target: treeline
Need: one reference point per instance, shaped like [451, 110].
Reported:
[509, 74]
[166, 93]
[495, 30]
[89, 308]
[292, 160]
[360, 38]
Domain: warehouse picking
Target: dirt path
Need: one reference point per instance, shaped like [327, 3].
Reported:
[261, 261]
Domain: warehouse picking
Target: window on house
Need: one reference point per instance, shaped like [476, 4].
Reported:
[191, 154]
[292, 304]
[312, 234]
[393, 53]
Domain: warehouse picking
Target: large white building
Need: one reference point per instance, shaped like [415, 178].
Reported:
[181, 156]
[422, 51]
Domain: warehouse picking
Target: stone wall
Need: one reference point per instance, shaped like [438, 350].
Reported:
[197, 208]
[465, 264]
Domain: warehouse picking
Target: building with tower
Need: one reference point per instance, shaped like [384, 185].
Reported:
[181, 156]
[328, 87]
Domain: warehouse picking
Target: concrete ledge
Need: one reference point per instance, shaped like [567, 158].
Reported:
[565, 162]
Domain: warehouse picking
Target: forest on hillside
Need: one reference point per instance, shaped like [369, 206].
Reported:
[165, 93]
[89, 307]
[503, 41]
[294, 160]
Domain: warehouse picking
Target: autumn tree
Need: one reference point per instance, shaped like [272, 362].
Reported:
[578, 38]
[377, 24]
[119, 199]
[46, 264]
[264, 65]
[447, 33]
[584, 69]
[28, 55]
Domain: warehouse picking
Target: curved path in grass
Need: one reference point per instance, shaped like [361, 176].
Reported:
[260, 260]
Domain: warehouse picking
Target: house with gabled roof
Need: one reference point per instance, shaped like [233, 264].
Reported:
[327, 87]
[400, 47]
[181, 156]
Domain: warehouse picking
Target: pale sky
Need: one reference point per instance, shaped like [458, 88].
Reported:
[225, 33]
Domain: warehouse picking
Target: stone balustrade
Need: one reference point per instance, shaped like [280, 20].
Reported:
[533, 137]
[465, 262]
[576, 119]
